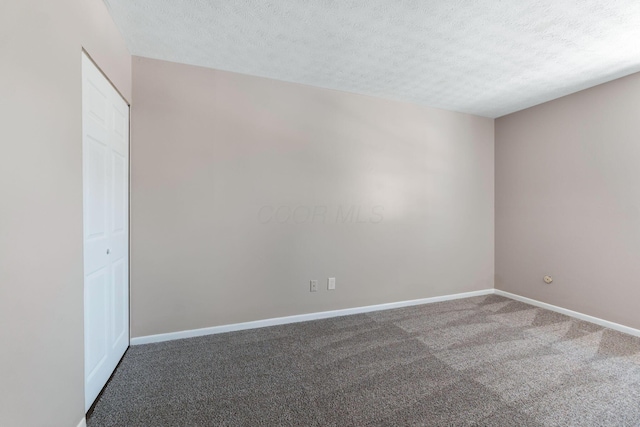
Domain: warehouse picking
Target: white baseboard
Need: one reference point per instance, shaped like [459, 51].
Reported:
[577, 315]
[299, 318]
[367, 309]
[83, 422]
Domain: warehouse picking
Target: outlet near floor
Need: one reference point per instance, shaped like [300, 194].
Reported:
[313, 286]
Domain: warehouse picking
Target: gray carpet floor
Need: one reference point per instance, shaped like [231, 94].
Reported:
[483, 361]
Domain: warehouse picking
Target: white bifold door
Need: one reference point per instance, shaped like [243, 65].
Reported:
[105, 155]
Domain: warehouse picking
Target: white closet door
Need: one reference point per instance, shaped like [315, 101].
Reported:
[105, 147]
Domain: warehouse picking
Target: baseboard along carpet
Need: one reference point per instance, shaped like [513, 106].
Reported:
[483, 361]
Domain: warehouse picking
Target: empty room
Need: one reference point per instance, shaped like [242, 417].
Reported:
[319, 213]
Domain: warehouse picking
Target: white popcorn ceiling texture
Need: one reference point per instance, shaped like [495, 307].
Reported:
[485, 57]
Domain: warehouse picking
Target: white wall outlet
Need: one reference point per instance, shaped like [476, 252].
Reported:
[331, 283]
[313, 286]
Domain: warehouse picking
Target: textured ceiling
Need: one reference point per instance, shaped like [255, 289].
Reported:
[486, 57]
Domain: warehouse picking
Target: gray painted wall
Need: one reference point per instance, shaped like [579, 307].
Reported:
[215, 154]
[568, 201]
[41, 284]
